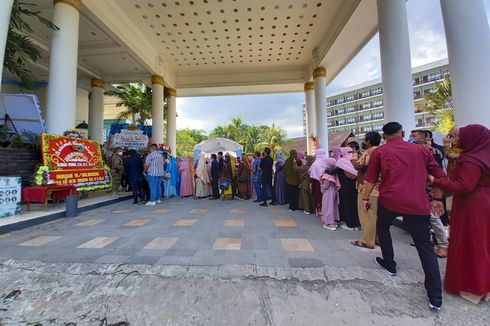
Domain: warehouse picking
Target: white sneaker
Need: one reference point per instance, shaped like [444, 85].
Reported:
[307, 213]
[345, 227]
[159, 201]
[331, 228]
[150, 203]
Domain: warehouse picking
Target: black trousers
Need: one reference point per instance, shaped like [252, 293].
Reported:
[215, 188]
[267, 184]
[419, 228]
[292, 196]
[138, 187]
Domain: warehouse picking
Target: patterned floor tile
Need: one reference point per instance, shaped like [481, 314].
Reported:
[98, 242]
[239, 223]
[185, 222]
[137, 222]
[161, 210]
[161, 243]
[90, 222]
[122, 210]
[199, 210]
[285, 223]
[227, 244]
[238, 211]
[296, 245]
[39, 241]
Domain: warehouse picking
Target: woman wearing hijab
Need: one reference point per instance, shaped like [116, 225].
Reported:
[192, 171]
[171, 183]
[185, 177]
[316, 171]
[306, 202]
[468, 262]
[202, 178]
[229, 173]
[348, 191]
[292, 180]
[280, 180]
[243, 178]
[330, 186]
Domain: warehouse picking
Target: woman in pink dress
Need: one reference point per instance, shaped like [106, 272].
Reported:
[185, 178]
[330, 186]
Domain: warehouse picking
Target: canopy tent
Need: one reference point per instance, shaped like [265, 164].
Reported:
[215, 145]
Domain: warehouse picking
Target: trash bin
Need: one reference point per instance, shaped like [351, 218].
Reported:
[71, 206]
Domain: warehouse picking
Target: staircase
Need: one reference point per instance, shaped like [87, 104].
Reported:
[19, 162]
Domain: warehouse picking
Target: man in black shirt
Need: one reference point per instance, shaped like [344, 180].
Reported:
[221, 163]
[133, 167]
[266, 178]
[214, 177]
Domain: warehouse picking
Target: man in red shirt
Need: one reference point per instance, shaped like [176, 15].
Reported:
[403, 169]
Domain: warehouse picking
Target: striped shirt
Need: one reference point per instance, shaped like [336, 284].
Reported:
[154, 161]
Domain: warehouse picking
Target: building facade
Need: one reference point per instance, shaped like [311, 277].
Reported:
[360, 108]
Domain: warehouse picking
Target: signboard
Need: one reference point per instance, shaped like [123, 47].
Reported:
[10, 196]
[72, 161]
[133, 139]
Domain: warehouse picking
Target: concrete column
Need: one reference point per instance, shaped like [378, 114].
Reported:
[5, 10]
[396, 68]
[62, 87]
[172, 120]
[310, 114]
[96, 111]
[468, 47]
[157, 109]
[320, 83]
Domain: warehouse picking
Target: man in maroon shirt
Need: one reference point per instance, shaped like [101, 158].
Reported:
[403, 169]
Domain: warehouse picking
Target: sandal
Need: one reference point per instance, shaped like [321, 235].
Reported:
[360, 244]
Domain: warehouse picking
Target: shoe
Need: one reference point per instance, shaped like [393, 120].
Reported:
[257, 201]
[329, 227]
[159, 201]
[290, 210]
[135, 202]
[264, 205]
[307, 213]
[434, 306]
[345, 227]
[150, 203]
[382, 264]
[273, 204]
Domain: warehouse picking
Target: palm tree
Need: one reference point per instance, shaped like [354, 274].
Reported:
[440, 104]
[273, 137]
[252, 138]
[219, 132]
[137, 100]
[20, 50]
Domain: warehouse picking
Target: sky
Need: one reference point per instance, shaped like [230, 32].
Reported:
[427, 42]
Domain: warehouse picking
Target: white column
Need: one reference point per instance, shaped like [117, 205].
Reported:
[396, 68]
[172, 120]
[468, 47]
[310, 114]
[320, 82]
[157, 109]
[5, 10]
[62, 87]
[96, 111]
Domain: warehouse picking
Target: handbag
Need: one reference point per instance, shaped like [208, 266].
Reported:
[225, 184]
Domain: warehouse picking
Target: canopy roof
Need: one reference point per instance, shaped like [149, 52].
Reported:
[215, 145]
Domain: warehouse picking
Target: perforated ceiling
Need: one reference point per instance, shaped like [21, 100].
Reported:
[206, 34]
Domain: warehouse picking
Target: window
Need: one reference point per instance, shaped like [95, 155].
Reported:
[367, 129]
[366, 117]
[378, 127]
[377, 91]
[377, 103]
[351, 120]
[340, 100]
[378, 115]
[341, 122]
[350, 109]
[366, 93]
[434, 76]
[340, 111]
[329, 113]
[349, 98]
[366, 106]
[417, 95]
[331, 102]
[416, 81]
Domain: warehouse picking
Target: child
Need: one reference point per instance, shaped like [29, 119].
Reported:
[330, 186]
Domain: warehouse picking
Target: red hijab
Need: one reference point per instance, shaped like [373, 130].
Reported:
[475, 142]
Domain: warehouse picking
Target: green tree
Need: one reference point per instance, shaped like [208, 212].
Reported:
[274, 137]
[252, 138]
[20, 51]
[440, 104]
[137, 100]
[187, 139]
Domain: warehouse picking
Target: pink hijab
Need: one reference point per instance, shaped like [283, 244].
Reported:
[328, 177]
[336, 153]
[318, 167]
[344, 162]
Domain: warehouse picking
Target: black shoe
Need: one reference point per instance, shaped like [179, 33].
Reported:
[135, 202]
[382, 264]
[273, 204]
[257, 201]
[264, 205]
[435, 305]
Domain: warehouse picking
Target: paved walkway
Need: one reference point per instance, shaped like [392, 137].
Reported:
[201, 262]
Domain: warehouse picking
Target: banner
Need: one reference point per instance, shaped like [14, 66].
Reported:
[72, 161]
[133, 139]
[10, 196]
